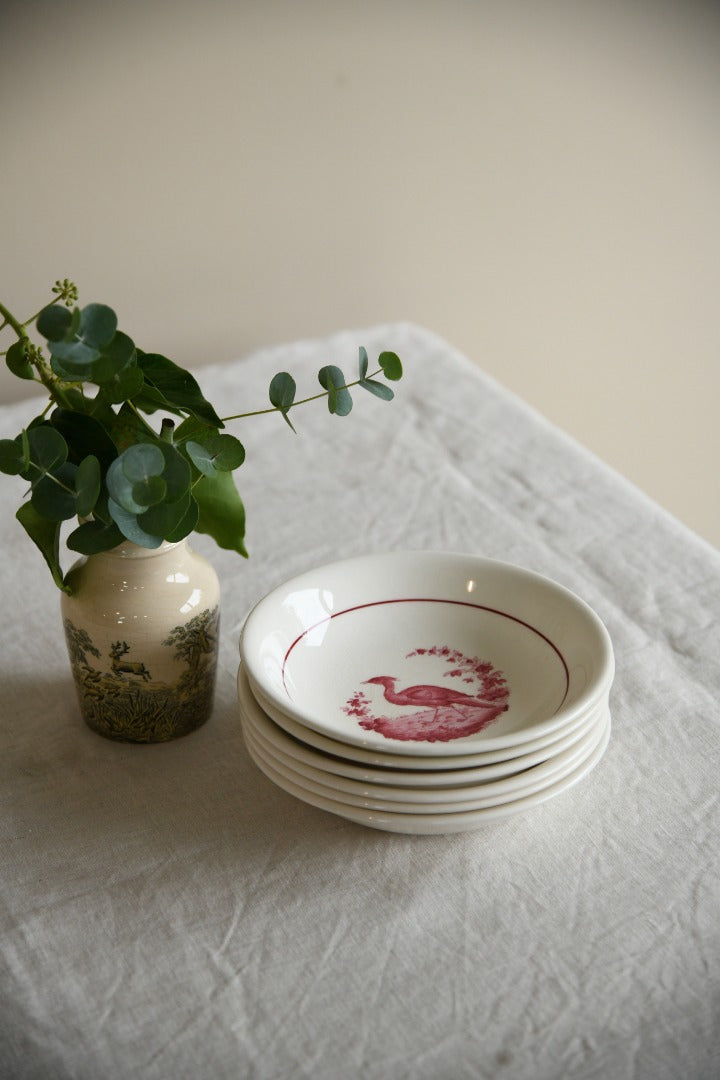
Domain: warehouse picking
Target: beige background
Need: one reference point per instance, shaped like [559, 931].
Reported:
[536, 182]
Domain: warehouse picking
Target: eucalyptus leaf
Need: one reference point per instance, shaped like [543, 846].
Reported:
[54, 322]
[149, 491]
[88, 481]
[98, 324]
[92, 537]
[377, 388]
[48, 449]
[362, 362]
[164, 518]
[391, 365]
[11, 457]
[53, 495]
[75, 356]
[218, 453]
[17, 361]
[120, 489]
[339, 398]
[141, 461]
[282, 394]
[113, 359]
[128, 526]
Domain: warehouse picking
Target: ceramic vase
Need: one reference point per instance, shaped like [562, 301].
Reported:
[141, 628]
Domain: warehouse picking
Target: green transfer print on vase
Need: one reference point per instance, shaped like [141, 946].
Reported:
[119, 697]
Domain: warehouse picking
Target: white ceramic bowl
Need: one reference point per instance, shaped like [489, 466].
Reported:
[429, 824]
[427, 654]
[421, 800]
[382, 758]
[461, 774]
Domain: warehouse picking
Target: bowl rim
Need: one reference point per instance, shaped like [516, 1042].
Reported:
[413, 561]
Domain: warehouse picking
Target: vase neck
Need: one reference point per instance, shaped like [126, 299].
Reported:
[128, 550]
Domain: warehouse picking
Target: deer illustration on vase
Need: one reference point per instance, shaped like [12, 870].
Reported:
[118, 649]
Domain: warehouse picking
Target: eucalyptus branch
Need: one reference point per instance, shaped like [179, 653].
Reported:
[98, 457]
[301, 401]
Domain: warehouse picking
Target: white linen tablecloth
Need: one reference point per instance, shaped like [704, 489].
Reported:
[166, 912]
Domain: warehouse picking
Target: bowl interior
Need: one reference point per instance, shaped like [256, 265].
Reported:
[434, 653]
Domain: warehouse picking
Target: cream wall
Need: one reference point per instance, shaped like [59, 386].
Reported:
[537, 182]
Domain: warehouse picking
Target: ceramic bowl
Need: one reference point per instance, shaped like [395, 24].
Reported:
[307, 748]
[426, 654]
[430, 824]
[418, 800]
[386, 759]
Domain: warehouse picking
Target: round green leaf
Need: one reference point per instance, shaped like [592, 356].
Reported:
[87, 485]
[282, 390]
[17, 361]
[120, 488]
[128, 525]
[75, 356]
[113, 359]
[377, 388]
[165, 518]
[53, 496]
[141, 461]
[362, 362]
[98, 324]
[77, 372]
[11, 457]
[333, 380]
[94, 536]
[54, 322]
[149, 491]
[48, 449]
[217, 453]
[228, 452]
[391, 365]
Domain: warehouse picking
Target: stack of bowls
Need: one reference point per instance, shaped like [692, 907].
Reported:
[424, 692]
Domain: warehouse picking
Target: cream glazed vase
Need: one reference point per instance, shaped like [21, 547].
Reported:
[142, 630]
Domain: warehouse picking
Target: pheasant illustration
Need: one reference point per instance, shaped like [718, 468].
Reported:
[440, 713]
[431, 697]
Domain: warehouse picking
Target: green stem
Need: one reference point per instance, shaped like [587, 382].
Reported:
[302, 401]
[34, 317]
[10, 320]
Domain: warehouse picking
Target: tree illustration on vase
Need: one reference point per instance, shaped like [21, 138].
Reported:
[122, 700]
[438, 713]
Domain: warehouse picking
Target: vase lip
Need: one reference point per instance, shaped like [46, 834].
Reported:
[130, 550]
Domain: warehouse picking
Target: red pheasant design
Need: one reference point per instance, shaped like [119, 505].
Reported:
[440, 713]
[433, 697]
